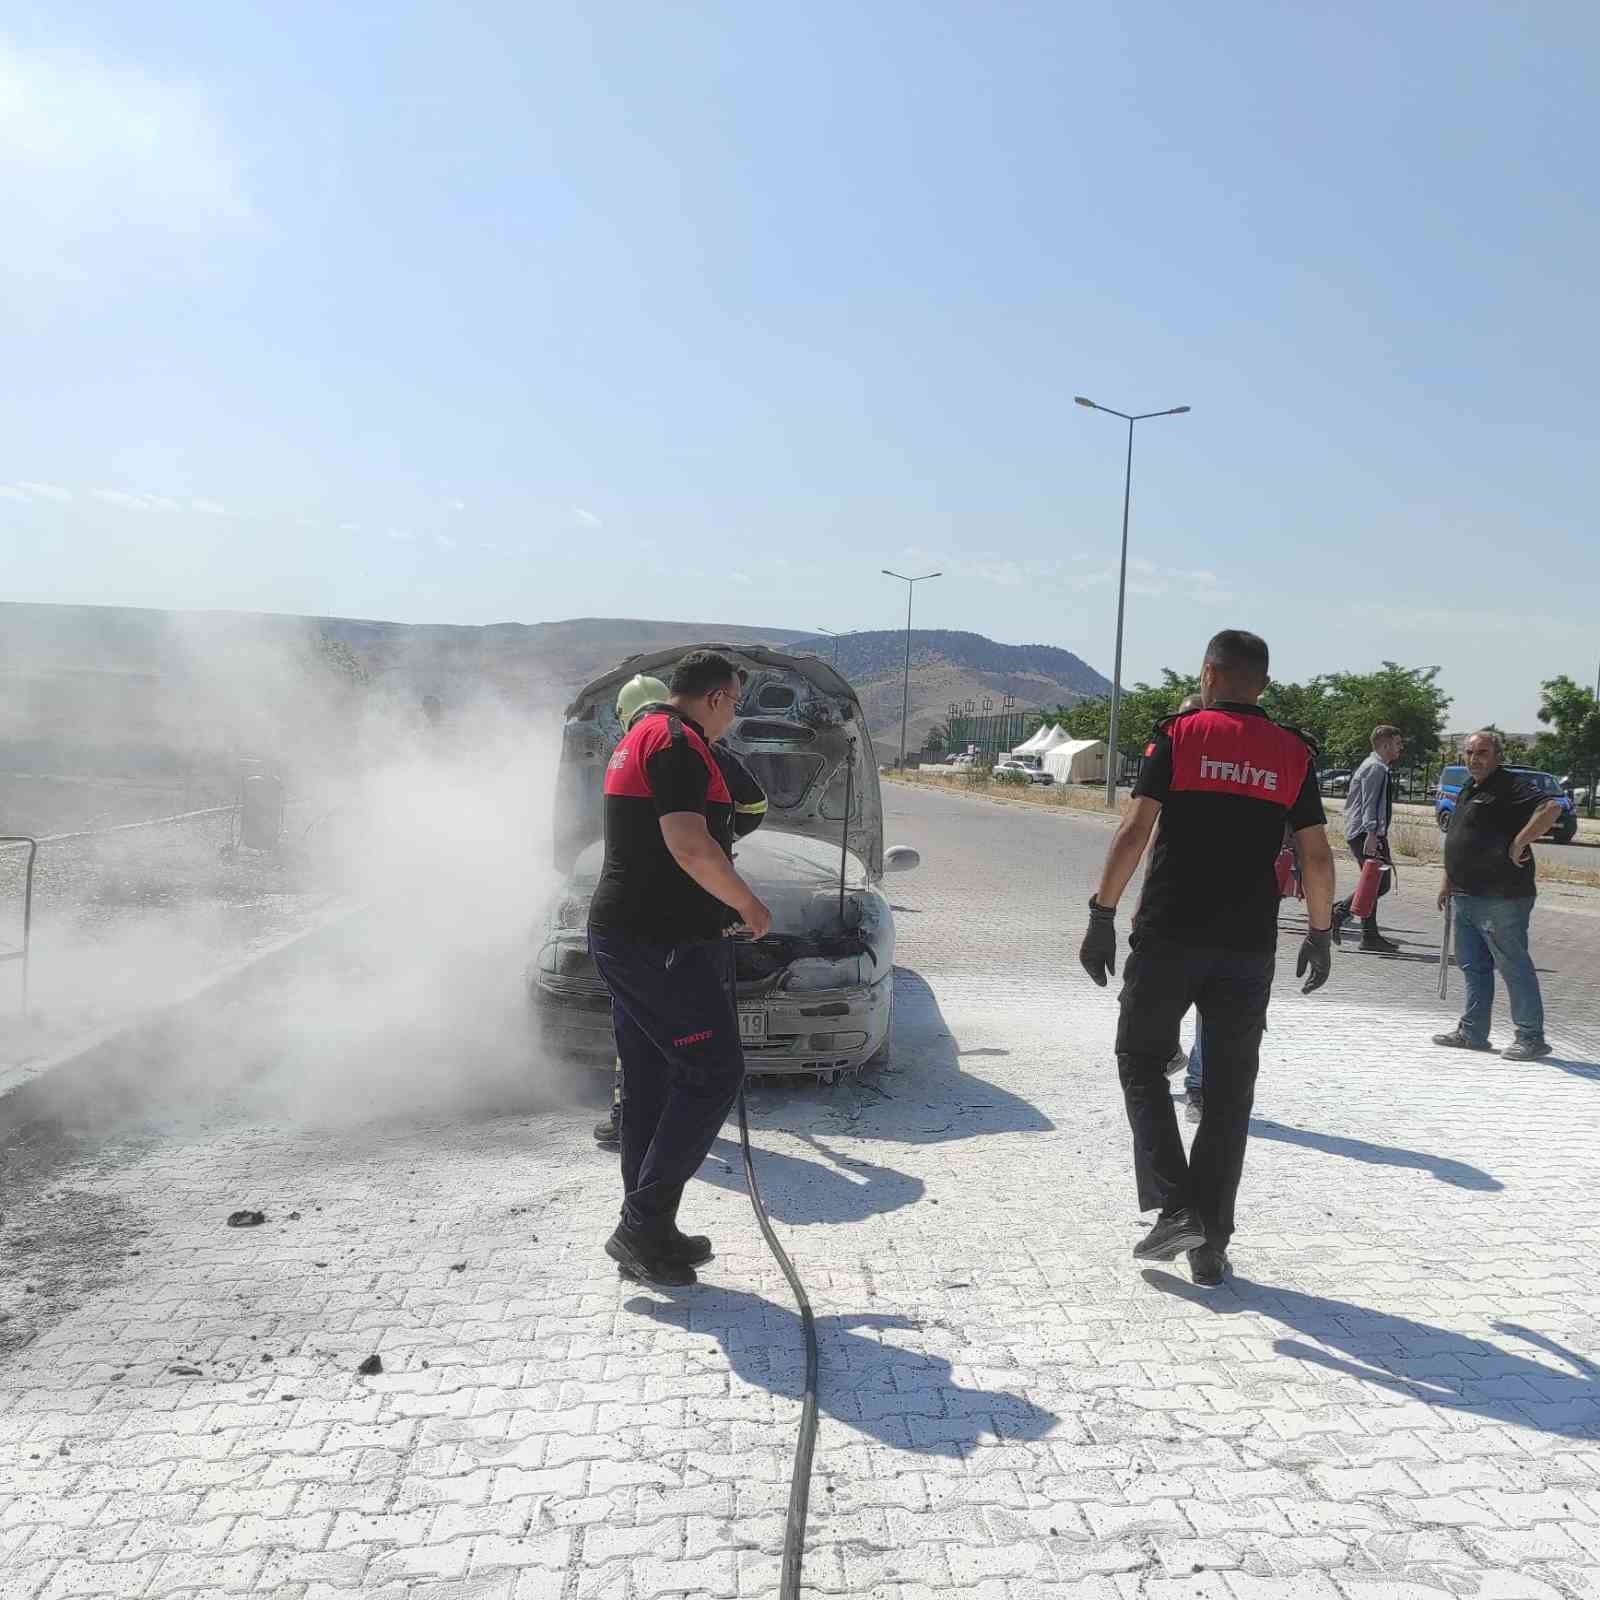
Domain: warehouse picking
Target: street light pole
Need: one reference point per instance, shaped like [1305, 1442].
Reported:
[836, 637]
[905, 693]
[1113, 762]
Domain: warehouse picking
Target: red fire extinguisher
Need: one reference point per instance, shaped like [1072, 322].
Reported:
[1365, 900]
[1287, 867]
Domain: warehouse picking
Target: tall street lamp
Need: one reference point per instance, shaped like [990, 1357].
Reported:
[905, 694]
[836, 637]
[1112, 761]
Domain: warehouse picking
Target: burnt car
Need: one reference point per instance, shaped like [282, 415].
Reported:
[816, 995]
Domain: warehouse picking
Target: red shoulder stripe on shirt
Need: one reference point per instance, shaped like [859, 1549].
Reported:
[626, 774]
[1216, 752]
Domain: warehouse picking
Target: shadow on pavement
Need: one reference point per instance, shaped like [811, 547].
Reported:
[1459, 1174]
[1578, 1069]
[921, 1097]
[904, 1397]
[801, 1192]
[1415, 1359]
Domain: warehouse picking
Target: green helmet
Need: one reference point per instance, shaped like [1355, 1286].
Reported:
[637, 693]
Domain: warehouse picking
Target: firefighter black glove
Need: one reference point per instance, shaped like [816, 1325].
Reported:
[1098, 952]
[1316, 955]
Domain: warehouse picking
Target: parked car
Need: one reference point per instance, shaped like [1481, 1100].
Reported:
[816, 995]
[1335, 780]
[1452, 780]
[1022, 768]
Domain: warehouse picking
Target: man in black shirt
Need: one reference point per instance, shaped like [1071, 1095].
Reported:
[636, 698]
[1488, 870]
[1223, 781]
[668, 896]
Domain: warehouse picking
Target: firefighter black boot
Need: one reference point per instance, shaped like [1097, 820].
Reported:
[1170, 1237]
[648, 1258]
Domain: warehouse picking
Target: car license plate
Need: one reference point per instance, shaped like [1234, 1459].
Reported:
[752, 1027]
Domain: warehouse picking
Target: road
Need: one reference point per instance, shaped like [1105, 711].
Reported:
[1395, 1397]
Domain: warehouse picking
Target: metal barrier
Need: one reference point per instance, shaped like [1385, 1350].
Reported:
[20, 953]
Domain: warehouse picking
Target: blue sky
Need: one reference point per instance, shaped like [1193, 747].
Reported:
[478, 312]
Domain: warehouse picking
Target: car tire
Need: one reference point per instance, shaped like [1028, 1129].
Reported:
[1565, 832]
[1444, 821]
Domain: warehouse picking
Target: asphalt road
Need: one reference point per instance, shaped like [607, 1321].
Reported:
[980, 852]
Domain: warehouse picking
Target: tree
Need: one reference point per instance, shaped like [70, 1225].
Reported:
[1301, 705]
[335, 658]
[1571, 710]
[938, 737]
[1409, 698]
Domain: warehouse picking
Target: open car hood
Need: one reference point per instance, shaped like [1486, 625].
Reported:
[800, 730]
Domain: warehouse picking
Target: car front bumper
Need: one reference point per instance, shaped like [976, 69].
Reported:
[833, 1030]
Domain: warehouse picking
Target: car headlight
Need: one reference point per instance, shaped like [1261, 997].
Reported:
[812, 974]
[566, 958]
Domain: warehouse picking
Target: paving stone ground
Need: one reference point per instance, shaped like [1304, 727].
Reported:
[1396, 1396]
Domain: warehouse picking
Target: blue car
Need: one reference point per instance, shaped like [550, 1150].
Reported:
[1452, 780]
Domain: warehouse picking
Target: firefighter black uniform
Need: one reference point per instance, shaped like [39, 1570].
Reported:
[749, 812]
[1227, 779]
[659, 942]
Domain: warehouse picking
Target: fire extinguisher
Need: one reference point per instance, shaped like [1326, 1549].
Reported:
[1287, 868]
[1365, 900]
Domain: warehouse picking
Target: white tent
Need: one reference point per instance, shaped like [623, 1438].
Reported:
[1054, 740]
[1077, 761]
[1036, 741]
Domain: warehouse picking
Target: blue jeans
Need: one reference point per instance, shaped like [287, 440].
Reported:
[1492, 932]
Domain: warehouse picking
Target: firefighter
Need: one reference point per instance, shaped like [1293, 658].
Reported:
[1223, 781]
[638, 695]
[668, 897]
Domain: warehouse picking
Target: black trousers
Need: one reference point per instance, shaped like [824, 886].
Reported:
[677, 1028]
[1230, 989]
[1358, 849]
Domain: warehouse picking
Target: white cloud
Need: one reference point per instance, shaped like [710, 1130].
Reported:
[209, 508]
[135, 502]
[1000, 571]
[457, 505]
[11, 492]
[587, 518]
[444, 541]
[399, 535]
[1458, 625]
[44, 491]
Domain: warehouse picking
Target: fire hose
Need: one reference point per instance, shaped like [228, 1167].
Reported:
[794, 1532]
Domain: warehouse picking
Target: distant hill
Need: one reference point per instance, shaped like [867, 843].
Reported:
[85, 675]
[949, 666]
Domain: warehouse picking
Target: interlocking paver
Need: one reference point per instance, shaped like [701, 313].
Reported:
[1396, 1395]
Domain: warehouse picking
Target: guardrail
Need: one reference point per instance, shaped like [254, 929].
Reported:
[20, 953]
[15, 842]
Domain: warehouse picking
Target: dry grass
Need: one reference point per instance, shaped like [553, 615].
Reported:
[1419, 841]
[1055, 796]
